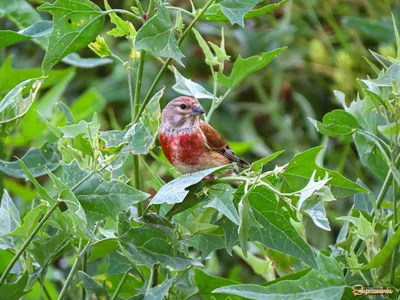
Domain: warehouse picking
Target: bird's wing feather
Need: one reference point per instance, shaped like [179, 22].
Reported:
[216, 142]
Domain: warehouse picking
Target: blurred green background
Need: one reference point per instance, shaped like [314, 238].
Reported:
[327, 41]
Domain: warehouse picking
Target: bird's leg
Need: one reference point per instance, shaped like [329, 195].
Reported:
[210, 177]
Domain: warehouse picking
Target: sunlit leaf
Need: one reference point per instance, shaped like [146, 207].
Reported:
[122, 27]
[29, 223]
[76, 24]
[9, 220]
[337, 123]
[257, 165]
[175, 190]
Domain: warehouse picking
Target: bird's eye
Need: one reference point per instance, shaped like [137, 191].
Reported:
[183, 106]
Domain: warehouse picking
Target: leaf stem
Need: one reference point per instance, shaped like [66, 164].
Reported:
[396, 249]
[28, 240]
[120, 284]
[168, 61]
[380, 198]
[39, 226]
[123, 11]
[75, 266]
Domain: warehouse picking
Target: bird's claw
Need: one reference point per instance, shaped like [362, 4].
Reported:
[210, 177]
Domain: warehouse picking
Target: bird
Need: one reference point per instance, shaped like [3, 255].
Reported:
[189, 143]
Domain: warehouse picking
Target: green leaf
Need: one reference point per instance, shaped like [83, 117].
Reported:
[247, 221]
[122, 27]
[235, 10]
[13, 106]
[299, 171]
[93, 289]
[103, 247]
[20, 12]
[75, 210]
[207, 284]
[245, 66]
[221, 197]
[100, 47]
[83, 127]
[206, 243]
[201, 222]
[277, 231]
[211, 60]
[142, 135]
[10, 77]
[260, 265]
[160, 291]
[37, 160]
[325, 282]
[9, 220]
[157, 36]
[214, 12]
[145, 246]
[187, 87]
[314, 207]
[338, 123]
[47, 101]
[38, 29]
[45, 252]
[74, 59]
[364, 229]
[76, 24]
[386, 252]
[31, 219]
[99, 198]
[117, 264]
[258, 164]
[230, 233]
[87, 104]
[66, 112]
[15, 290]
[175, 190]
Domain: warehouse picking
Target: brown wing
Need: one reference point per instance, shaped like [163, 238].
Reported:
[217, 143]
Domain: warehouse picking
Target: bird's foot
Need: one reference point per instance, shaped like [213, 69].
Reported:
[210, 177]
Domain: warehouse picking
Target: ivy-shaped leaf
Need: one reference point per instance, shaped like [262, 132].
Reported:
[99, 198]
[15, 290]
[93, 289]
[76, 24]
[157, 36]
[146, 247]
[9, 221]
[245, 66]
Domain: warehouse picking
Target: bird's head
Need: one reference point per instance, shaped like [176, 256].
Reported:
[182, 112]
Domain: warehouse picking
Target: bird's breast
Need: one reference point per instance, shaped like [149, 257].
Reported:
[183, 148]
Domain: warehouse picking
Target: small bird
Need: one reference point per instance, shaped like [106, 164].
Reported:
[189, 143]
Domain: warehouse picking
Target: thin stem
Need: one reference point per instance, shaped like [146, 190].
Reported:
[122, 11]
[396, 249]
[380, 198]
[138, 86]
[75, 266]
[131, 99]
[28, 240]
[38, 227]
[180, 9]
[120, 284]
[215, 99]
[46, 292]
[84, 267]
[153, 279]
[168, 61]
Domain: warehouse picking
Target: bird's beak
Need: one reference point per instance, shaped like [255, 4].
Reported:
[197, 110]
